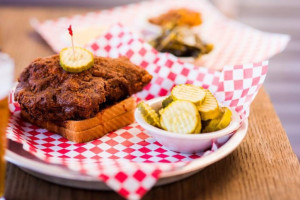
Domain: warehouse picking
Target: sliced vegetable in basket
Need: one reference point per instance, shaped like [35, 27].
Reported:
[218, 123]
[188, 92]
[180, 117]
[149, 114]
[198, 127]
[226, 118]
[209, 109]
[167, 101]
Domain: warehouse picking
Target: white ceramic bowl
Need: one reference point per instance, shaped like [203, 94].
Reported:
[185, 143]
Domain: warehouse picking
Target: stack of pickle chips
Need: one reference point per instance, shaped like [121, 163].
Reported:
[189, 109]
[180, 41]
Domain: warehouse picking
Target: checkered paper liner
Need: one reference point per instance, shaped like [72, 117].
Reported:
[234, 43]
[129, 160]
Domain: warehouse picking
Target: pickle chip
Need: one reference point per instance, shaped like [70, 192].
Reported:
[82, 60]
[226, 118]
[160, 111]
[210, 125]
[150, 116]
[198, 127]
[180, 116]
[221, 122]
[209, 109]
[188, 92]
[167, 101]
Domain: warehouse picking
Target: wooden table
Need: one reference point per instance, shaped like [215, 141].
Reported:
[262, 167]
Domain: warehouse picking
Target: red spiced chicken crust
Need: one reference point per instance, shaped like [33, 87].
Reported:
[47, 92]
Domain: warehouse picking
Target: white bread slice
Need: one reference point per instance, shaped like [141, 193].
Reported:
[103, 116]
[107, 120]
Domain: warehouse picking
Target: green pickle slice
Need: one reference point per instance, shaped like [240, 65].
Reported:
[209, 109]
[180, 117]
[167, 101]
[198, 127]
[150, 116]
[221, 122]
[81, 61]
[226, 119]
[188, 92]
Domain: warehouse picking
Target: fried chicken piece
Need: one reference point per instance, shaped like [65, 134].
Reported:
[47, 92]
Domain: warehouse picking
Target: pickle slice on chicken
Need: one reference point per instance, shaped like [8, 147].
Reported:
[209, 109]
[180, 117]
[76, 61]
[149, 114]
[188, 92]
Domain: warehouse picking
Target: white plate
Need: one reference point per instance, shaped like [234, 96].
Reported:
[61, 175]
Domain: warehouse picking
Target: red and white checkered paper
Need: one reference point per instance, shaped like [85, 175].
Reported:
[234, 43]
[129, 160]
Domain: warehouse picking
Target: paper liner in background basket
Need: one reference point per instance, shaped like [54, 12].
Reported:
[128, 160]
[234, 43]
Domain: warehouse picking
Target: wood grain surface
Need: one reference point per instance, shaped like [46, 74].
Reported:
[262, 167]
[282, 82]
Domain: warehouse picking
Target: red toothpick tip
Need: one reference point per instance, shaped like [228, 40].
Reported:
[70, 30]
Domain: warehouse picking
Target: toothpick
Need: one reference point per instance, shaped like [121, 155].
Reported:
[71, 34]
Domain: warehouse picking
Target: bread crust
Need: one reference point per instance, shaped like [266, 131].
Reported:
[102, 116]
[109, 119]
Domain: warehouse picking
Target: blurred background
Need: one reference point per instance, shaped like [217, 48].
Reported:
[280, 16]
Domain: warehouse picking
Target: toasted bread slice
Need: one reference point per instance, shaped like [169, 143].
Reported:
[103, 116]
[109, 119]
